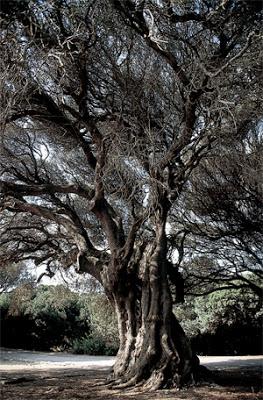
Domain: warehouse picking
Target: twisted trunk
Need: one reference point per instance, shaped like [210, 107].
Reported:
[154, 350]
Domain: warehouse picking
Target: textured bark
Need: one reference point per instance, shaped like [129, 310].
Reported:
[154, 351]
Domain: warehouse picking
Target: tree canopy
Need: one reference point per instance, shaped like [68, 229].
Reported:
[219, 219]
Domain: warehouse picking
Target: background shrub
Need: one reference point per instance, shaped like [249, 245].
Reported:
[102, 318]
[55, 318]
[46, 318]
[92, 345]
[227, 322]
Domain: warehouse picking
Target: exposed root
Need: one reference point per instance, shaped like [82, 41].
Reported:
[155, 381]
[131, 382]
[166, 375]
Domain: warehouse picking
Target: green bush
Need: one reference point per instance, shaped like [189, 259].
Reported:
[46, 317]
[53, 317]
[103, 338]
[224, 322]
[93, 346]
[102, 319]
[222, 308]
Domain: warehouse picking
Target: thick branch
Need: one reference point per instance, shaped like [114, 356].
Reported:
[9, 188]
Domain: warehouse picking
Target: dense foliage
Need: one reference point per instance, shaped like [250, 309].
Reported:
[53, 317]
[224, 322]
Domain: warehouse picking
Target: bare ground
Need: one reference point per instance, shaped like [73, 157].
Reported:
[229, 384]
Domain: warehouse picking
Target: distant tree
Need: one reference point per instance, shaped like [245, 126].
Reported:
[108, 108]
[13, 275]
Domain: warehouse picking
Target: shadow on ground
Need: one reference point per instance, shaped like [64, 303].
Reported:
[232, 384]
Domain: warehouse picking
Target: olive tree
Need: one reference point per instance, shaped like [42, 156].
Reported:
[110, 106]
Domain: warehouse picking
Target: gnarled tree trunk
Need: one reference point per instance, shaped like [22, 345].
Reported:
[154, 350]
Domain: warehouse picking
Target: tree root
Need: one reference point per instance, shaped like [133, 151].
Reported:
[156, 379]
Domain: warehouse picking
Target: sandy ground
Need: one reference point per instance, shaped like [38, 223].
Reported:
[49, 376]
[23, 360]
[30, 361]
